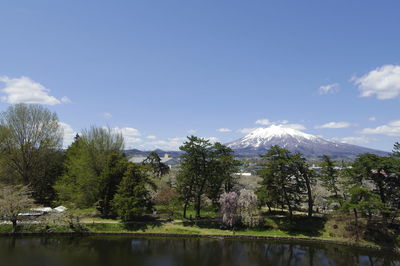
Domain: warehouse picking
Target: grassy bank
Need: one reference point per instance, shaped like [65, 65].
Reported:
[310, 230]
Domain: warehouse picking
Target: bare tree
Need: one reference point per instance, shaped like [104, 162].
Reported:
[14, 200]
[30, 136]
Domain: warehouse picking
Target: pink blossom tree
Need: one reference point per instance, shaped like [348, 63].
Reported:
[229, 208]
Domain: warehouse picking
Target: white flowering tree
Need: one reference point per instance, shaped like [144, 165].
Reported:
[248, 209]
[14, 200]
[229, 208]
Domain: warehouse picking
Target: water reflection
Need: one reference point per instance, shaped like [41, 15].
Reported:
[124, 250]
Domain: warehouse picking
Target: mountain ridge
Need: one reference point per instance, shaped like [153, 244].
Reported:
[260, 140]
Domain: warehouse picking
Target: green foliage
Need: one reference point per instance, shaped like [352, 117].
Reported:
[157, 168]
[329, 176]
[363, 200]
[110, 177]
[94, 165]
[132, 199]
[286, 178]
[396, 150]
[382, 173]
[206, 169]
[30, 145]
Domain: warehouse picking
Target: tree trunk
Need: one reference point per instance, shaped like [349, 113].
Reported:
[356, 221]
[269, 207]
[309, 193]
[184, 209]
[288, 204]
[198, 206]
[14, 224]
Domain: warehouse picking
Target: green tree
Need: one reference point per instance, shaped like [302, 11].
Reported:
[329, 176]
[373, 168]
[195, 171]
[279, 178]
[132, 199]
[362, 200]
[89, 176]
[222, 168]
[396, 149]
[305, 179]
[110, 177]
[206, 170]
[31, 140]
[157, 167]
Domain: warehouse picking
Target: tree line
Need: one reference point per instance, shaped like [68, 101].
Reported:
[94, 172]
[367, 187]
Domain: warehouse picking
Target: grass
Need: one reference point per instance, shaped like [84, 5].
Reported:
[276, 224]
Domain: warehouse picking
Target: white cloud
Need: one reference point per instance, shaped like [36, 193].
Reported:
[246, 130]
[391, 129]
[172, 144]
[151, 137]
[130, 135]
[330, 88]
[224, 130]
[295, 126]
[69, 134]
[192, 131]
[382, 82]
[264, 122]
[355, 140]
[107, 115]
[372, 118]
[335, 125]
[25, 90]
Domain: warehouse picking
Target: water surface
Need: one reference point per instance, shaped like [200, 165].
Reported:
[127, 250]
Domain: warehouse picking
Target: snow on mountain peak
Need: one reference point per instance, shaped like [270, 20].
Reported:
[279, 131]
[261, 139]
[262, 136]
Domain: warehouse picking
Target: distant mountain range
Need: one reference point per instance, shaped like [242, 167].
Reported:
[161, 153]
[260, 141]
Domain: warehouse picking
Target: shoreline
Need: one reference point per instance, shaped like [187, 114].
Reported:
[311, 240]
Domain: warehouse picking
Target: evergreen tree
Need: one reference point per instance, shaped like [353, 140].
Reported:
[132, 199]
[158, 168]
[206, 169]
[329, 176]
[195, 171]
[279, 178]
[305, 179]
[88, 179]
[110, 177]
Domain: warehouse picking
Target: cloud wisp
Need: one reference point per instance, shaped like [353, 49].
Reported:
[263, 122]
[224, 130]
[329, 89]
[335, 125]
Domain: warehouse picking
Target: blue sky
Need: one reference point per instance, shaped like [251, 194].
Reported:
[160, 70]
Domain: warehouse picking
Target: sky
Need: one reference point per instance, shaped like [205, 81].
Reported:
[158, 71]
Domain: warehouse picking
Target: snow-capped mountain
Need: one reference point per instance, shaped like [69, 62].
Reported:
[261, 139]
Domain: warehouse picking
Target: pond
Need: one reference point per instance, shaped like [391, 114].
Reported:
[154, 251]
